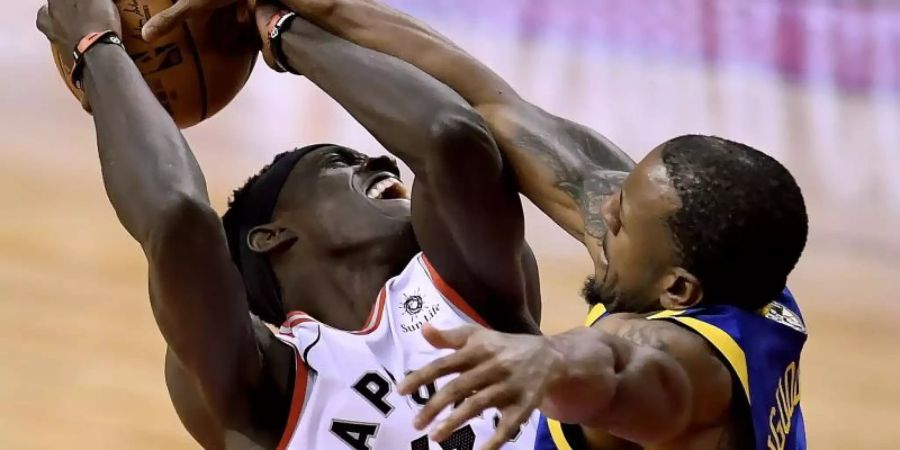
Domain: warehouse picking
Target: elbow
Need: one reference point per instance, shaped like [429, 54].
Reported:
[462, 141]
[182, 220]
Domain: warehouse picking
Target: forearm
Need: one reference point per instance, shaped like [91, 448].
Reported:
[145, 161]
[567, 170]
[374, 25]
[399, 104]
[636, 391]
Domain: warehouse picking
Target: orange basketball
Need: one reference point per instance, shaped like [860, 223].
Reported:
[195, 70]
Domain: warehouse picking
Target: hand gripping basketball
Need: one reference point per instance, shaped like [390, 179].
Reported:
[268, 18]
[194, 71]
[65, 22]
[166, 21]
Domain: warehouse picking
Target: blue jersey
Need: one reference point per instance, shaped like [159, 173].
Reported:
[761, 348]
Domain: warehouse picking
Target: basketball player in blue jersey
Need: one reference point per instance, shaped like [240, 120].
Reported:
[692, 342]
[324, 229]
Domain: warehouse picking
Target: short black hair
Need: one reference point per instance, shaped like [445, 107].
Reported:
[742, 224]
[268, 308]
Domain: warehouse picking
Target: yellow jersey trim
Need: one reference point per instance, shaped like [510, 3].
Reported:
[713, 334]
[666, 313]
[556, 432]
[722, 341]
[597, 311]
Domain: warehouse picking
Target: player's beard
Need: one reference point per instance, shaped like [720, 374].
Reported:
[614, 301]
[594, 294]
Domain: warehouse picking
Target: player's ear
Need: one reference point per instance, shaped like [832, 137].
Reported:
[270, 237]
[681, 290]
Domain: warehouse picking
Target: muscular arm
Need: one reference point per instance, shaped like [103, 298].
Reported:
[663, 380]
[160, 197]
[566, 169]
[465, 209]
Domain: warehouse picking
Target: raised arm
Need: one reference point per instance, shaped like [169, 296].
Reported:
[160, 197]
[566, 169]
[465, 209]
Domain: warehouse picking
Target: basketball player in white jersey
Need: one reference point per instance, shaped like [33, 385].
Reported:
[322, 241]
[692, 342]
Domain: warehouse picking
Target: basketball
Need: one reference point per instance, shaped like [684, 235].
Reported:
[195, 70]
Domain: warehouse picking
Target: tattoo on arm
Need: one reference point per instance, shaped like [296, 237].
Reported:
[639, 333]
[590, 191]
[583, 166]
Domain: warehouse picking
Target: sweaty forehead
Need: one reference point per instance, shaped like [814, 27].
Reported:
[309, 171]
[310, 165]
[302, 178]
[649, 189]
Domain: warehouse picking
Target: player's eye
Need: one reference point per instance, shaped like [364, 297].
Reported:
[336, 160]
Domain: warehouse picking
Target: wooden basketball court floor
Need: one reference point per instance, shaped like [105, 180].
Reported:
[80, 356]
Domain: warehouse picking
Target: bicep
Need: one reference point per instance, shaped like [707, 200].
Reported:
[652, 400]
[191, 406]
[670, 381]
[468, 218]
[198, 301]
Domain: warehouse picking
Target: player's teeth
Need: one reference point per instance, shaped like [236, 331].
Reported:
[377, 191]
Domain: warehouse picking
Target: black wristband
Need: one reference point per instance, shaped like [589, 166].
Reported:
[84, 45]
[275, 42]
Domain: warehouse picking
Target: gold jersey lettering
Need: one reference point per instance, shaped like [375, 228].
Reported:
[787, 397]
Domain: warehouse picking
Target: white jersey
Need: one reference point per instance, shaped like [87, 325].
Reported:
[345, 394]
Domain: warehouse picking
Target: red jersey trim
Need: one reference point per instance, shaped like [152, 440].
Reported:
[295, 318]
[375, 315]
[298, 399]
[451, 294]
[301, 380]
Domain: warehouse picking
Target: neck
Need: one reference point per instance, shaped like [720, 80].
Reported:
[339, 289]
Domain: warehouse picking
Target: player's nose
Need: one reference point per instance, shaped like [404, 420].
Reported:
[379, 164]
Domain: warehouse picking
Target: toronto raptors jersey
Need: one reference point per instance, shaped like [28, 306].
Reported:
[345, 394]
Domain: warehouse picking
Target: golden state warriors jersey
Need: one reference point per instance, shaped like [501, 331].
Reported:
[345, 394]
[762, 350]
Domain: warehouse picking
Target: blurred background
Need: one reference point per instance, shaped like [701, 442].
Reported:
[814, 83]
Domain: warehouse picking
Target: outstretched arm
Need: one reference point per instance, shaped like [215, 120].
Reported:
[160, 197]
[566, 169]
[465, 209]
[644, 381]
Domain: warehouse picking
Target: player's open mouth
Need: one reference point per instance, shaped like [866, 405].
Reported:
[386, 187]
